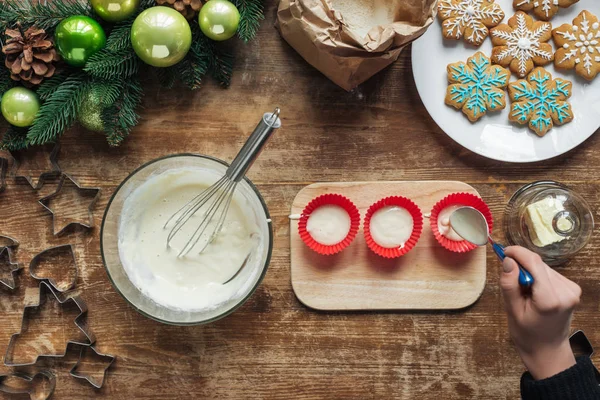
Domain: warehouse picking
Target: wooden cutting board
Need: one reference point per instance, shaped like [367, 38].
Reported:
[429, 277]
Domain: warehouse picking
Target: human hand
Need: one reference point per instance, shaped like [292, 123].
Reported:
[539, 321]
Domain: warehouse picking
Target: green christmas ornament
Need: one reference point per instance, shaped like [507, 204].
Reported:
[90, 112]
[20, 106]
[161, 36]
[219, 19]
[78, 38]
[115, 10]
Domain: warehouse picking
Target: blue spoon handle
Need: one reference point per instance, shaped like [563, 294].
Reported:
[525, 278]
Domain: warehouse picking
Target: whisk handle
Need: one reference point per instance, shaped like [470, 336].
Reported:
[253, 146]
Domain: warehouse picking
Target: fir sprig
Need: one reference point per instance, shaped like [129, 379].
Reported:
[121, 117]
[43, 14]
[120, 36]
[106, 64]
[49, 86]
[14, 139]
[108, 91]
[60, 109]
[5, 81]
[251, 14]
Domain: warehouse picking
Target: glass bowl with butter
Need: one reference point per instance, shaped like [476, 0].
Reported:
[203, 285]
[550, 219]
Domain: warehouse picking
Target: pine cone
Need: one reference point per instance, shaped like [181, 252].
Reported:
[188, 8]
[30, 56]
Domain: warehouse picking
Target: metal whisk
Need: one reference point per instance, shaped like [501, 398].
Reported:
[217, 198]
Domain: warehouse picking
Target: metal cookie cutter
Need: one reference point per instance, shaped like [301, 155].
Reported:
[582, 347]
[32, 385]
[35, 262]
[76, 374]
[45, 203]
[7, 245]
[80, 322]
[44, 175]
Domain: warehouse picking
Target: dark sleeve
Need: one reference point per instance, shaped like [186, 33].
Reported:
[576, 383]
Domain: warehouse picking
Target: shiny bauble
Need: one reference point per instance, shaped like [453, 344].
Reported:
[90, 112]
[20, 106]
[78, 38]
[161, 36]
[115, 10]
[219, 19]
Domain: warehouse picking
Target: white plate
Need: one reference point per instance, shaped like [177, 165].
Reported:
[494, 136]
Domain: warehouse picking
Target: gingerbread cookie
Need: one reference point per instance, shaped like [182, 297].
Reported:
[470, 19]
[543, 9]
[522, 44]
[540, 101]
[579, 45]
[477, 86]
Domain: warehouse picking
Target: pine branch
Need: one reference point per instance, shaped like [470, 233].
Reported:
[49, 86]
[107, 91]
[5, 81]
[121, 117]
[120, 36]
[218, 61]
[191, 72]
[166, 76]
[251, 14]
[14, 139]
[112, 65]
[44, 15]
[59, 111]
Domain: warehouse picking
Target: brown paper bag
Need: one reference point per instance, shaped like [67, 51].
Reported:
[326, 39]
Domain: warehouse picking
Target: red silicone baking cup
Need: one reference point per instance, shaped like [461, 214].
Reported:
[414, 211]
[463, 199]
[329, 199]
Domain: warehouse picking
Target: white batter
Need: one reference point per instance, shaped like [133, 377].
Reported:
[391, 227]
[444, 224]
[195, 281]
[328, 224]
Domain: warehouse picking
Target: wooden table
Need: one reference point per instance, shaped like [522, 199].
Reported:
[274, 347]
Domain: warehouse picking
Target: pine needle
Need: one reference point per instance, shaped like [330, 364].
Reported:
[251, 14]
[44, 15]
[110, 65]
[166, 76]
[14, 139]
[107, 91]
[120, 36]
[120, 118]
[49, 86]
[59, 111]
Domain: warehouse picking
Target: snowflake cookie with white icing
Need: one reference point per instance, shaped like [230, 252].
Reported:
[522, 44]
[543, 9]
[469, 19]
[540, 101]
[477, 86]
[579, 45]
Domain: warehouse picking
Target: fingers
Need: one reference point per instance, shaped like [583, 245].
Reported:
[509, 282]
[533, 263]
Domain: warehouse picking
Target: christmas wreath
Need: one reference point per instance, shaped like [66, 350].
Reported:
[68, 60]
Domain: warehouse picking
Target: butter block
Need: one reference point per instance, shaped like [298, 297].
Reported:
[539, 217]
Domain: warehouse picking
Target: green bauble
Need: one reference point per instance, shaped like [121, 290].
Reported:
[161, 36]
[90, 112]
[115, 10]
[78, 38]
[219, 19]
[20, 106]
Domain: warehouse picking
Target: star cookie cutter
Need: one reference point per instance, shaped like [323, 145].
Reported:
[6, 256]
[582, 347]
[44, 175]
[37, 259]
[46, 200]
[29, 384]
[80, 322]
[90, 379]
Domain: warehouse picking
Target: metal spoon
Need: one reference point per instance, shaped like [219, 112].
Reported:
[470, 224]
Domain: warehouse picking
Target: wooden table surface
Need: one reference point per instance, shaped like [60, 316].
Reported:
[274, 347]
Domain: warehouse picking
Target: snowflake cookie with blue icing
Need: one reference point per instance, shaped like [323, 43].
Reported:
[543, 9]
[522, 44]
[579, 45]
[477, 86]
[540, 101]
[469, 19]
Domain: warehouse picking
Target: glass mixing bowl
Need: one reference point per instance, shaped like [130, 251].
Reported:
[252, 273]
[576, 211]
